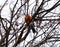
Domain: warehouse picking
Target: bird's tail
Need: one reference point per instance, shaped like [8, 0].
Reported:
[33, 29]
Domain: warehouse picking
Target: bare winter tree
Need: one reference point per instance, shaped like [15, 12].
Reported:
[30, 23]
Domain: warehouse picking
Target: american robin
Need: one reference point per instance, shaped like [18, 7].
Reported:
[28, 19]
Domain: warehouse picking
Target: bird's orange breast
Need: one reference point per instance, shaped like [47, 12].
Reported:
[28, 18]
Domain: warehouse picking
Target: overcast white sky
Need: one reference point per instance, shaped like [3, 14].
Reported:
[6, 10]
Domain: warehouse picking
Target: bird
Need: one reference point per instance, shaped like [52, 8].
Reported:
[28, 19]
